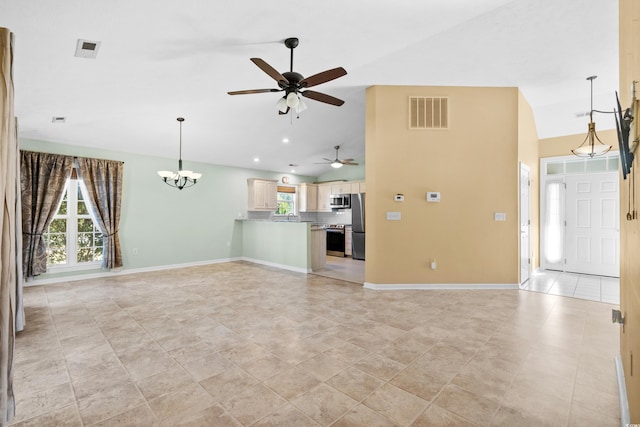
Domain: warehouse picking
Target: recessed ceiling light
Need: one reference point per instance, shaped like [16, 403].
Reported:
[256, 159]
[58, 119]
[87, 49]
[285, 140]
[293, 171]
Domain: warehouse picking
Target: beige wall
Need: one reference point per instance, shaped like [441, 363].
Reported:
[630, 230]
[473, 164]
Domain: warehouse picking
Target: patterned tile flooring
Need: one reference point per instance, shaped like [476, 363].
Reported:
[584, 286]
[242, 344]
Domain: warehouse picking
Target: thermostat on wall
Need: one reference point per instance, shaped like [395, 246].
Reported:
[433, 196]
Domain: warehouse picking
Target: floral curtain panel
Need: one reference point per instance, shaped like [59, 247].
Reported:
[10, 286]
[43, 177]
[103, 181]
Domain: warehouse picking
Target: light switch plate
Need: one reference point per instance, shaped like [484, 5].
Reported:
[393, 216]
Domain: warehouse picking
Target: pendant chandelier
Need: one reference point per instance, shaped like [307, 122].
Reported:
[182, 178]
[591, 146]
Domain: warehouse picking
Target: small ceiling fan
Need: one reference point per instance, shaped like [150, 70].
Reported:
[337, 163]
[294, 85]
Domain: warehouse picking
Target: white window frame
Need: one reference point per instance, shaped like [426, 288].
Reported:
[295, 200]
[72, 218]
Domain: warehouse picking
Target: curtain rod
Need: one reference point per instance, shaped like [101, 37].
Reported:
[108, 160]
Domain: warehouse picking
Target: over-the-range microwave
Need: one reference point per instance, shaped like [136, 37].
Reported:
[340, 201]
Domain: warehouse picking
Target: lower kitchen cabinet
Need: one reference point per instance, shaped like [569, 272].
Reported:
[348, 232]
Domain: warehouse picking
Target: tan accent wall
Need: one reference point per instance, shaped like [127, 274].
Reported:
[474, 166]
[562, 145]
[630, 230]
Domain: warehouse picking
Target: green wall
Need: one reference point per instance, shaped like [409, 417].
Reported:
[347, 173]
[168, 226]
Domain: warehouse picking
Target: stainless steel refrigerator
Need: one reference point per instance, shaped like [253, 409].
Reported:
[357, 226]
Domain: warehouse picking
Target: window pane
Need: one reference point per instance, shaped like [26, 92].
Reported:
[85, 239]
[57, 256]
[63, 207]
[82, 208]
[98, 240]
[58, 225]
[612, 163]
[57, 241]
[85, 225]
[596, 165]
[85, 254]
[555, 168]
[575, 166]
[98, 254]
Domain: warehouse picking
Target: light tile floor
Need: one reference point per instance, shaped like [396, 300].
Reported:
[583, 286]
[242, 344]
[343, 268]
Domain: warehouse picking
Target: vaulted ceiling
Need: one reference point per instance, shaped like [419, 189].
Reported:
[161, 59]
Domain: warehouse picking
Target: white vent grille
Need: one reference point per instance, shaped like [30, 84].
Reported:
[428, 112]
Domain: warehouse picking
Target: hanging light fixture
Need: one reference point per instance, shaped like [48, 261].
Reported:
[292, 100]
[591, 146]
[182, 178]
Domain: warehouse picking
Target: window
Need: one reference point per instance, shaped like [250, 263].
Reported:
[286, 200]
[73, 238]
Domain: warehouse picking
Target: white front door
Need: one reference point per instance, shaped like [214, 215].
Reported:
[525, 224]
[592, 239]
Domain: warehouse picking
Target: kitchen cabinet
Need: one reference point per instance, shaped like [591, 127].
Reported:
[308, 197]
[348, 233]
[324, 198]
[362, 187]
[263, 194]
[341, 188]
[357, 187]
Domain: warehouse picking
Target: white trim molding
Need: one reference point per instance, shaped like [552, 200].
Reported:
[121, 272]
[441, 286]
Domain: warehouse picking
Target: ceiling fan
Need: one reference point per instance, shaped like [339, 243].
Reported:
[337, 163]
[294, 85]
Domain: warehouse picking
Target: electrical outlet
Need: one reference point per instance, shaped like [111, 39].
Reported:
[135, 251]
[433, 264]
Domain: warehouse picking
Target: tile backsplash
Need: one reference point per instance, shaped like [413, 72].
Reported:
[342, 216]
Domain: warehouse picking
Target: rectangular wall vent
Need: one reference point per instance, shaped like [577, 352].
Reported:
[87, 49]
[58, 119]
[428, 113]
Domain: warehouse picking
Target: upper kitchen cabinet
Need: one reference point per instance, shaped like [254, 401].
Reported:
[341, 188]
[357, 187]
[263, 194]
[324, 198]
[308, 197]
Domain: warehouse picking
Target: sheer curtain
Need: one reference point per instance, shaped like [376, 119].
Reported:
[10, 286]
[42, 179]
[103, 181]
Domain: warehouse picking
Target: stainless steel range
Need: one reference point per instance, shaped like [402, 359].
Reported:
[335, 239]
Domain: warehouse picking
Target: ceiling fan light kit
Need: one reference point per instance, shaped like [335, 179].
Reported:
[337, 163]
[182, 178]
[294, 84]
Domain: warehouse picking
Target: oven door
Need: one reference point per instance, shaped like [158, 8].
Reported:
[335, 242]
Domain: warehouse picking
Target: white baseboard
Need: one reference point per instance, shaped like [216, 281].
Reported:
[273, 264]
[121, 272]
[625, 415]
[441, 287]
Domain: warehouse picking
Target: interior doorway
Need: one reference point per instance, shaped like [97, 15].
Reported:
[525, 224]
[579, 215]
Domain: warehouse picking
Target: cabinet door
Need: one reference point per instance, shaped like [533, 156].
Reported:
[262, 195]
[362, 187]
[324, 198]
[341, 188]
[308, 197]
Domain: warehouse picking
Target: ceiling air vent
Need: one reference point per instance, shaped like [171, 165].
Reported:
[58, 119]
[428, 113]
[87, 49]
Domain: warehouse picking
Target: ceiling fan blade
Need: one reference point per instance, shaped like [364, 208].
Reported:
[328, 160]
[349, 163]
[322, 97]
[323, 77]
[348, 160]
[272, 72]
[250, 91]
[322, 163]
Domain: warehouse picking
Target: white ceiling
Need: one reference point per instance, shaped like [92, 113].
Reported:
[160, 59]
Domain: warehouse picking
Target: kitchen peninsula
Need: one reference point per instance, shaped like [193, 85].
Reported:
[291, 245]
